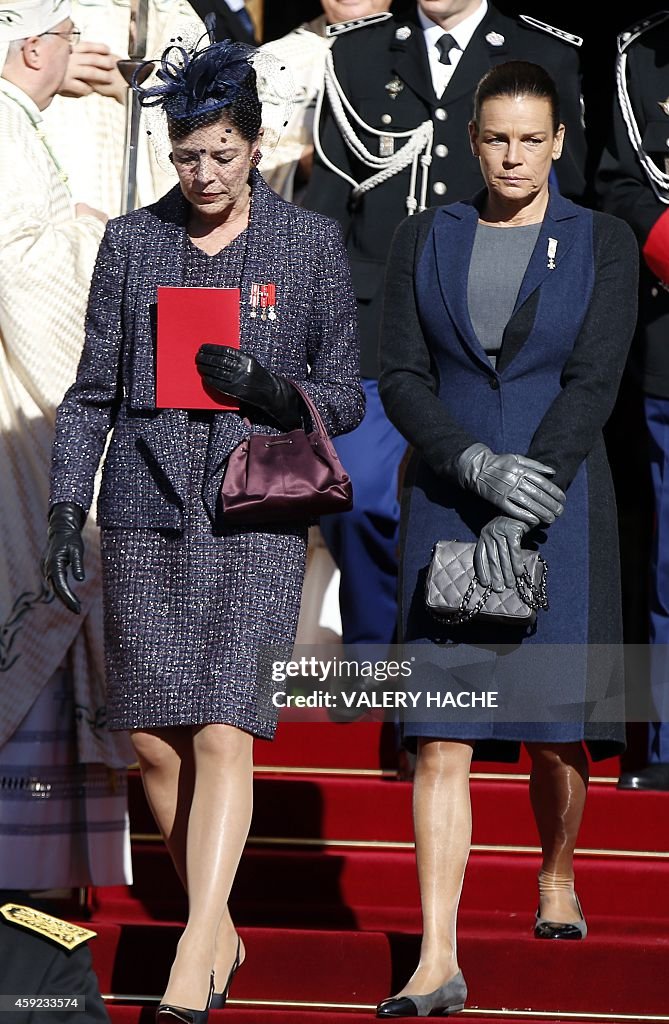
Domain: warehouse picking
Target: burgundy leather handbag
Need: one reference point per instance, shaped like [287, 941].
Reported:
[292, 477]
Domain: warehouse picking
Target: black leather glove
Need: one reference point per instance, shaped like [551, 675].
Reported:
[65, 548]
[515, 484]
[498, 556]
[234, 373]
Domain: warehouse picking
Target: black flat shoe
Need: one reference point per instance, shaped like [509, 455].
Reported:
[448, 998]
[652, 777]
[544, 929]
[167, 1013]
[219, 999]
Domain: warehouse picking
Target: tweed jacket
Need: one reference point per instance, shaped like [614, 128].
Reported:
[313, 340]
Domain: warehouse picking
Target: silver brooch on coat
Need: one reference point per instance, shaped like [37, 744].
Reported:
[664, 105]
[552, 249]
[262, 301]
[403, 33]
[495, 39]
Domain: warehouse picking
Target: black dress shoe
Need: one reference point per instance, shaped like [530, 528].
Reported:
[168, 1013]
[219, 999]
[653, 776]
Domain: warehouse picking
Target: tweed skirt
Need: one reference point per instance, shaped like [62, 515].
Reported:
[191, 616]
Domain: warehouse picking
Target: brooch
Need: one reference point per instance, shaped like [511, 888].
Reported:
[495, 39]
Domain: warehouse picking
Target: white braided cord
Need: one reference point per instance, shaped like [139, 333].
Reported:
[659, 181]
[418, 147]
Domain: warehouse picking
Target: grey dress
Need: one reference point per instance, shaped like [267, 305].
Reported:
[185, 632]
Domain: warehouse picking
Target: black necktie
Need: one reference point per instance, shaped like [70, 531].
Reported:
[445, 44]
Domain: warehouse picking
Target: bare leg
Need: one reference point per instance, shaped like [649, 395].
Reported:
[218, 823]
[443, 826]
[558, 787]
[165, 759]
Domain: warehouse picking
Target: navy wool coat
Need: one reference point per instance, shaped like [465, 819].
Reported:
[554, 386]
[312, 341]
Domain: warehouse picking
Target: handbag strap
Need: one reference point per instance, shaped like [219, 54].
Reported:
[316, 419]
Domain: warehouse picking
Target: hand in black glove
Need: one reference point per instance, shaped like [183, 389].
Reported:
[498, 556]
[65, 548]
[515, 484]
[234, 373]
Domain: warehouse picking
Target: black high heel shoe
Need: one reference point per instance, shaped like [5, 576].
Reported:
[219, 999]
[448, 998]
[169, 1014]
[544, 929]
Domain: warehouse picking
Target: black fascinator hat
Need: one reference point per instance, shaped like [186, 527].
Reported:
[195, 84]
[192, 84]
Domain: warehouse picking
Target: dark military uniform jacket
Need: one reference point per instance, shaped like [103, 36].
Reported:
[625, 189]
[228, 24]
[385, 74]
[44, 957]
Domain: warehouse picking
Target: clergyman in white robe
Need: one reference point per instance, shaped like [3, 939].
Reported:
[63, 806]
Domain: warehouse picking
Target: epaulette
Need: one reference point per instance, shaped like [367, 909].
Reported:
[348, 26]
[559, 33]
[64, 934]
[631, 34]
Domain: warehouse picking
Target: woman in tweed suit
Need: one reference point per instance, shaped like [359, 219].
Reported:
[190, 602]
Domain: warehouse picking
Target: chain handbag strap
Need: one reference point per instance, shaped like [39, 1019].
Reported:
[534, 597]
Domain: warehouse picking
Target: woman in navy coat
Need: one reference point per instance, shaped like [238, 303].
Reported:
[507, 324]
[193, 605]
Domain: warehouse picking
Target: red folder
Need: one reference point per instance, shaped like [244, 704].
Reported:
[188, 318]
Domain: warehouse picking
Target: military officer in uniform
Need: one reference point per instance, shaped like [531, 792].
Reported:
[42, 957]
[633, 183]
[392, 139]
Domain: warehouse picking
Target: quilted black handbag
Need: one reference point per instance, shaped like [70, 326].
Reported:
[454, 594]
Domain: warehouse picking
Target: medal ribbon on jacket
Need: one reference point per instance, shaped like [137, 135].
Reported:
[263, 299]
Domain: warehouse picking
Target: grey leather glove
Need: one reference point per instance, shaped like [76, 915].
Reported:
[513, 483]
[65, 549]
[498, 556]
[234, 373]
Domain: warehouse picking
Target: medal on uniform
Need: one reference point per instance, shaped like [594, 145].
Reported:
[495, 39]
[394, 87]
[386, 145]
[403, 33]
[552, 249]
[263, 300]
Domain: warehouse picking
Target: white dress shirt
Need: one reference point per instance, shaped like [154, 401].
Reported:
[462, 33]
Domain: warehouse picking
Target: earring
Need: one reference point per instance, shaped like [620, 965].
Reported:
[256, 158]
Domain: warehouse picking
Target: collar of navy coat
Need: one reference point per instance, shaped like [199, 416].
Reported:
[154, 239]
[453, 232]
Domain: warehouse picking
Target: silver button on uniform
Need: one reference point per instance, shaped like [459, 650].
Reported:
[386, 118]
[440, 188]
[441, 150]
[440, 114]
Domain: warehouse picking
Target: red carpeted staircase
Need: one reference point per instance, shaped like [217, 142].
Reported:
[327, 899]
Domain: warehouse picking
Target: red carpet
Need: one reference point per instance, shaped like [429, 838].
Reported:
[327, 897]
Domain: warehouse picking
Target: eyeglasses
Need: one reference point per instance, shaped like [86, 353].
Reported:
[73, 36]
